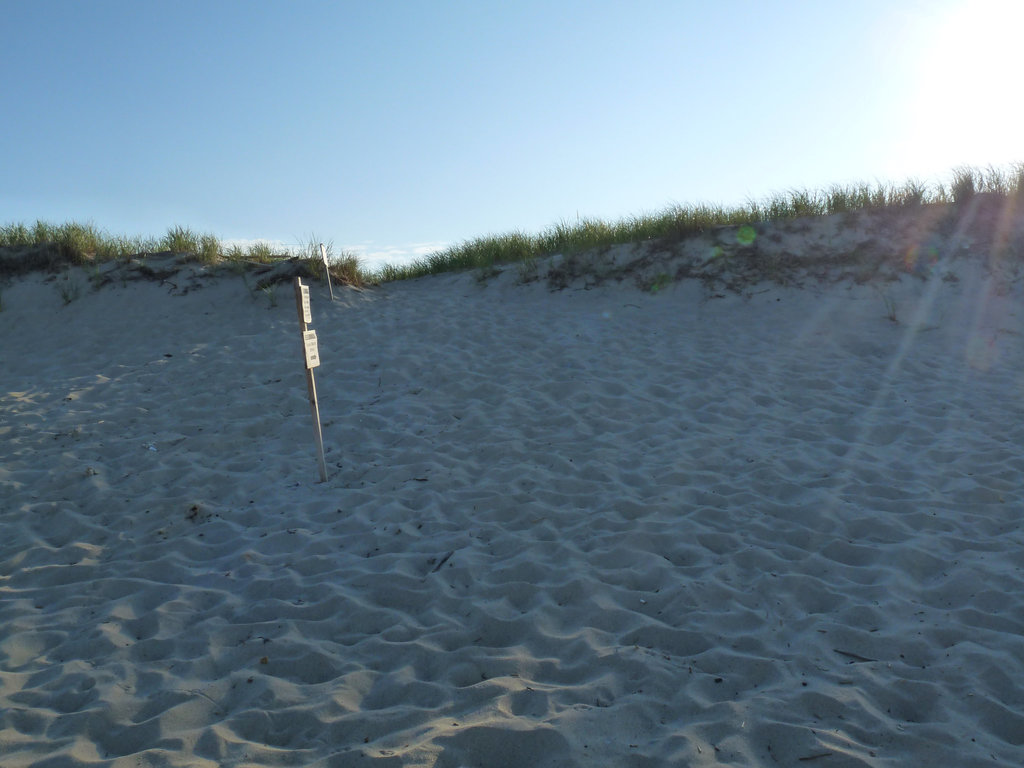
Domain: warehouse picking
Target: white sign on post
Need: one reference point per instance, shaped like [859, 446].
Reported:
[312, 352]
[307, 314]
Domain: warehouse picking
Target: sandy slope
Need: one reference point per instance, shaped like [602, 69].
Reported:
[584, 528]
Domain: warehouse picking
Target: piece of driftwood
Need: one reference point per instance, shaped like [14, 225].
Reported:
[283, 271]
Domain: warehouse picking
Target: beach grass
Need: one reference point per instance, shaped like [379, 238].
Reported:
[84, 244]
[678, 222]
[55, 245]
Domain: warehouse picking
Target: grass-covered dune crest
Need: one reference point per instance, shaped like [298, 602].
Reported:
[48, 246]
[679, 222]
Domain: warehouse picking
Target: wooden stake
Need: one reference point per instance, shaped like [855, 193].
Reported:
[327, 269]
[315, 408]
[312, 356]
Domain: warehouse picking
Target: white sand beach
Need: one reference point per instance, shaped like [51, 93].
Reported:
[594, 526]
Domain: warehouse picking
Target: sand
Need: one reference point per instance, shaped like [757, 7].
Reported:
[599, 526]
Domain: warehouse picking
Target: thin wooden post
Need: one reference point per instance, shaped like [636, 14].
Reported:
[327, 269]
[312, 356]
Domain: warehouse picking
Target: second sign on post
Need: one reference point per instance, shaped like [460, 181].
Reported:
[312, 353]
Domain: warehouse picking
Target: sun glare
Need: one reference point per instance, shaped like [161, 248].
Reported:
[966, 102]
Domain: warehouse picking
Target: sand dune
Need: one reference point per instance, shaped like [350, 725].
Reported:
[601, 527]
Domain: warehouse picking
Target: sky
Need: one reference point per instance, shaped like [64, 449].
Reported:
[395, 129]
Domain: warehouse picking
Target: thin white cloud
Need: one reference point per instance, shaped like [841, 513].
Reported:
[370, 254]
[277, 246]
[374, 256]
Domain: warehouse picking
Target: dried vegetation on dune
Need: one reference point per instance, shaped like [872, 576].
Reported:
[861, 231]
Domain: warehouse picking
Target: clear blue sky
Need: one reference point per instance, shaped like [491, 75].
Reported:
[398, 127]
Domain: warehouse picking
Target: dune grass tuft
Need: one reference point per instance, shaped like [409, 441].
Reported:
[74, 242]
[203, 248]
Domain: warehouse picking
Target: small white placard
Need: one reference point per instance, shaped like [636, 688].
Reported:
[307, 315]
[323, 254]
[312, 352]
